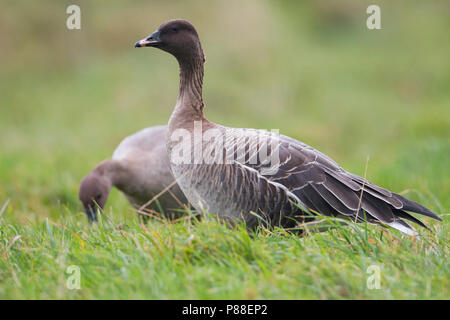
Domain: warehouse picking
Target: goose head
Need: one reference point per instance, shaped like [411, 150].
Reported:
[94, 191]
[177, 37]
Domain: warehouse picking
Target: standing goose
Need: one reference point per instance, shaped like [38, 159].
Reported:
[239, 183]
[140, 169]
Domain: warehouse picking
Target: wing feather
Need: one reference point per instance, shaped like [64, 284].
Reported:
[321, 185]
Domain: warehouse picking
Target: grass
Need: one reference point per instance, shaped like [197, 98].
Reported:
[69, 97]
[205, 260]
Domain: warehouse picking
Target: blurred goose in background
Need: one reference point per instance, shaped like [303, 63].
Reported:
[245, 187]
[140, 169]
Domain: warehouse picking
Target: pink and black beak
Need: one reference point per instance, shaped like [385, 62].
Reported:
[152, 40]
[91, 212]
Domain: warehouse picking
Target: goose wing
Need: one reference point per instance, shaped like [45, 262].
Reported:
[322, 186]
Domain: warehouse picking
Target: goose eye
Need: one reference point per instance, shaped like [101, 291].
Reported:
[174, 29]
[98, 196]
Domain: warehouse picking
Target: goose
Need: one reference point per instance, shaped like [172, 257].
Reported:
[139, 168]
[223, 172]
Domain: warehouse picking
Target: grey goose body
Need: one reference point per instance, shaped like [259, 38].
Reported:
[140, 169]
[242, 188]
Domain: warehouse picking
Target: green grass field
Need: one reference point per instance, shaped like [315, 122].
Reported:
[312, 70]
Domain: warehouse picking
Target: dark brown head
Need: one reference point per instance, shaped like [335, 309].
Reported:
[93, 193]
[177, 37]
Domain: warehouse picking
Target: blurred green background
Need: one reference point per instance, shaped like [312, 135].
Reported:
[311, 69]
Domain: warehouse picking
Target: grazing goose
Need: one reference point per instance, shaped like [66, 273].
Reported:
[255, 175]
[140, 169]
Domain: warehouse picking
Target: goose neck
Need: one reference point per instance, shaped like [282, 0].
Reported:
[110, 171]
[191, 83]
